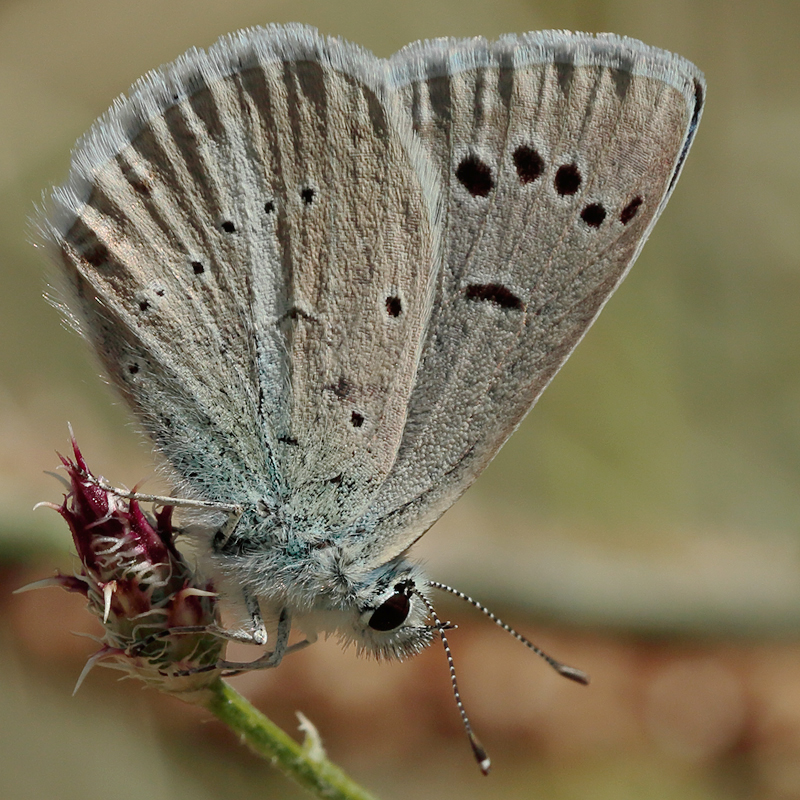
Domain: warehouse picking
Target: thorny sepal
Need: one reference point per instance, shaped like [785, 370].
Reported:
[139, 586]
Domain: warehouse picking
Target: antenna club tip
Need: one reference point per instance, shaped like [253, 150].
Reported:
[577, 675]
[481, 756]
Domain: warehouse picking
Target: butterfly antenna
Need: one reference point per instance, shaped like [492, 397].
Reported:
[577, 675]
[481, 756]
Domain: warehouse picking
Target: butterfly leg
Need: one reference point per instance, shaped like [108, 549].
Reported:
[235, 511]
[244, 637]
[270, 660]
[259, 630]
[267, 661]
[256, 635]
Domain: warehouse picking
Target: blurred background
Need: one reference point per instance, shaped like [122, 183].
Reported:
[643, 524]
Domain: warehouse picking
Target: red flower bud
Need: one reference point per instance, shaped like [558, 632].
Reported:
[139, 586]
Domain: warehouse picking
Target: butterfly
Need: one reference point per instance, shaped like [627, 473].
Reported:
[330, 286]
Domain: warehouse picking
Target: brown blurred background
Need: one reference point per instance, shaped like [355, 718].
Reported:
[643, 524]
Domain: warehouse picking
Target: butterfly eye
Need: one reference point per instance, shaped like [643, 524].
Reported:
[392, 613]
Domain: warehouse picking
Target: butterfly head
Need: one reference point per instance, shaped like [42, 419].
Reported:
[386, 615]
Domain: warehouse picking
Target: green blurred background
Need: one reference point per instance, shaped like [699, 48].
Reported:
[644, 523]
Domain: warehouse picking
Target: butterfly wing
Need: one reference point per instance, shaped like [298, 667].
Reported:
[249, 242]
[557, 152]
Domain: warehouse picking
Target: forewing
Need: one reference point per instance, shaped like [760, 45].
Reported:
[248, 241]
[557, 153]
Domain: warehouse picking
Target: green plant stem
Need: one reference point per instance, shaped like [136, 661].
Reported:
[310, 769]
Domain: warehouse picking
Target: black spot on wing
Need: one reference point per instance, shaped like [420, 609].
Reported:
[593, 215]
[568, 179]
[475, 176]
[356, 419]
[494, 293]
[393, 306]
[529, 164]
[630, 210]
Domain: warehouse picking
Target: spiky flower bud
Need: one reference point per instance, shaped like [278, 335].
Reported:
[139, 586]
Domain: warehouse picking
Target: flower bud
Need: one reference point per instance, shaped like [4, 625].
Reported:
[139, 586]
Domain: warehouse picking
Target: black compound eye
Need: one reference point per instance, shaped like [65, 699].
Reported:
[392, 613]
